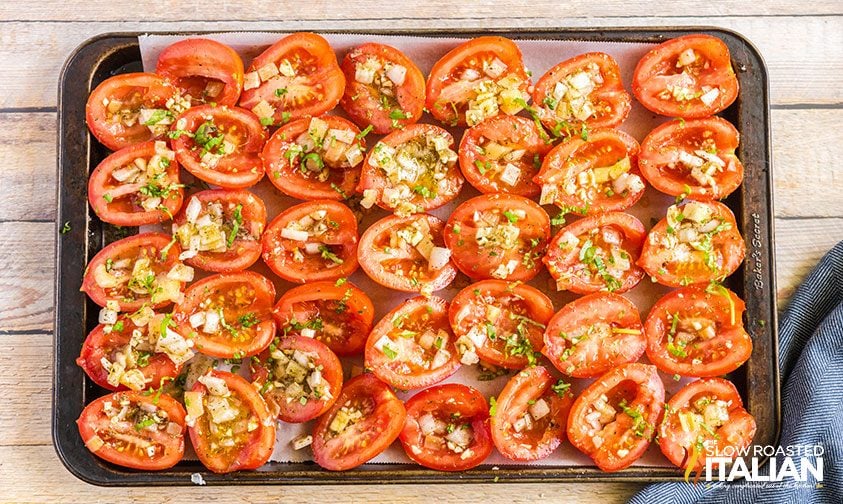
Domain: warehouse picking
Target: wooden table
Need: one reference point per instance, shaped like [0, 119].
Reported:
[801, 41]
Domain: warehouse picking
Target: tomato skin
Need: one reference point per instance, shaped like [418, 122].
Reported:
[469, 309]
[239, 169]
[642, 389]
[726, 351]
[531, 444]
[383, 418]
[362, 102]
[192, 63]
[563, 261]
[660, 151]
[447, 402]
[261, 442]
[93, 416]
[658, 69]
[278, 252]
[152, 92]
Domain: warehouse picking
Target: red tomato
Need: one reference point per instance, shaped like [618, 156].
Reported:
[593, 334]
[694, 158]
[582, 93]
[412, 346]
[299, 377]
[428, 180]
[337, 314]
[485, 66]
[689, 76]
[363, 422]
[133, 272]
[234, 430]
[312, 241]
[229, 314]
[501, 236]
[597, 253]
[614, 419]
[135, 430]
[698, 332]
[503, 154]
[590, 176]
[128, 109]
[705, 417]
[149, 191]
[696, 243]
[298, 76]
[503, 322]
[315, 158]
[447, 428]
[407, 254]
[384, 89]
[221, 230]
[530, 415]
[204, 70]
[220, 145]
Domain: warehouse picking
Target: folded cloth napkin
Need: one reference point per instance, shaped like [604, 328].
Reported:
[811, 365]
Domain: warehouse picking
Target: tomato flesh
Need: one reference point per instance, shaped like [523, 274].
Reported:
[205, 70]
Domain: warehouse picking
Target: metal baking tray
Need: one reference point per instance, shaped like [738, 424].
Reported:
[75, 315]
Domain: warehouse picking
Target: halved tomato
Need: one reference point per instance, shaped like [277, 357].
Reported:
[502, 323]
[220, 145]
[204, 70]
[412, 346]
[698, 332]
[614, 419]
[501, 236]
[384, 89]
[694, 158]
[447, 428]
[530, 415]
[336, 313]
[135, 430]
[689, 76]
[312, 241]
[366, 418]
[479, 78]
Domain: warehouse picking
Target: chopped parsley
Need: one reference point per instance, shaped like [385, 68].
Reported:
[236, 222]
[327, 254]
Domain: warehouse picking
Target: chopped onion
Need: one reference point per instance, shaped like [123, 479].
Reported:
[428, 424]
[212, 322]
[107, 317]
[216, 386]
[470, 74]
[302, 441]
[194, 206]
[181, 272]
[439, 257]
[294, 234]
[308, 332]
[709, 96]
[397, 74]
[251, 80]
[312, 248]
[496, 68]
[539, 409]
[441, 358]
[197, 319]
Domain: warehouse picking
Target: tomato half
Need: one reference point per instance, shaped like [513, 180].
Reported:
[614, 419]
[502, 322]
[694, 158]
[204, 70]
[479, 78]
[384, 88]
[220, 230]
[315, 158]
[407, 254]
[593, 175]
[503, 154]
[130, 108]
[298, 76]
[220, 145]
[501, 236]
[705, 418]
[229, 314]
[411, 170]
[584, 92]
[447, 428]
[530, 415]
[366, 418]
[696, 242]
[229, 423]
[412, 346]
[689, 76]
[698, 332]
[597, 253]
[312, 241]
[135, 430]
